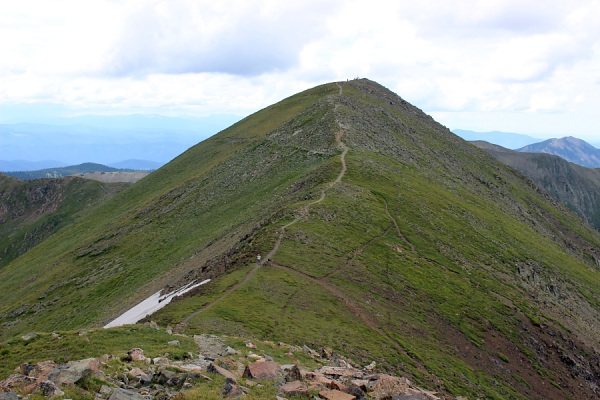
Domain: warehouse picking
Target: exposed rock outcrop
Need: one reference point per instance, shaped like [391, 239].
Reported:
[139, 377]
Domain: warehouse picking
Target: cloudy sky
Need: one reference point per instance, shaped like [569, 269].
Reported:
[527, 66]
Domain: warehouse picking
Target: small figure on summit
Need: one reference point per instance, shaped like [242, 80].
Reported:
[258, 258]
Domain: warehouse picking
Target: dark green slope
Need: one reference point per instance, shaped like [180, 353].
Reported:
[31, 211]
[428, 255]
[575, 186]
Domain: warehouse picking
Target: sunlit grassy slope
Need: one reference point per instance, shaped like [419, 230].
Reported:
[429, 256]
[176, 220]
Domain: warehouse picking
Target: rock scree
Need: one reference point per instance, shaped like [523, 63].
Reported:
[136, 376]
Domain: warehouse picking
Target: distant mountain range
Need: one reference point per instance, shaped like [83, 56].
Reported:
[22, 165]
[569, 148]
[505, 139]
[107, 139]
[61, 172]
[140, 165]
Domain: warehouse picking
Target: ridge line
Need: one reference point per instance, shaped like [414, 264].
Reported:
[304, 211]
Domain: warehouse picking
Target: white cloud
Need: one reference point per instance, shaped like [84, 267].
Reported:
[458, 59]
[54, 38]
[235, 37]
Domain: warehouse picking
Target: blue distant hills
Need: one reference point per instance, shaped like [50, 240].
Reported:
[107, 140]
[130, 165]
[146, 142]
[508, 140]
[568, 148]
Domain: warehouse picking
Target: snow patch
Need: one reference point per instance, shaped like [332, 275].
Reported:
[151, 305]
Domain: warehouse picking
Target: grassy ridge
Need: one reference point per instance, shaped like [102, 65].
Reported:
[192, 210]
[429, 257]
[446, 279]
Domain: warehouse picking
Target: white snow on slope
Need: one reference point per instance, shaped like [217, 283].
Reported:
[150, 305]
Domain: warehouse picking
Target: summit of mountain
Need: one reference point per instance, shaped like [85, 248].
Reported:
[383, 236]
[569, 148]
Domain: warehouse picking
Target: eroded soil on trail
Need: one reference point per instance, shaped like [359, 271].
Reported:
[303, 212]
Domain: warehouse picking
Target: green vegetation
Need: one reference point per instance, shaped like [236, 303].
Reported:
[212, 391]
[67, 346]
[576, 187]
[34, 210]
[429, 257]
[75, 345]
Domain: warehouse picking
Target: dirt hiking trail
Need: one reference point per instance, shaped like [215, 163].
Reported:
[302, 214]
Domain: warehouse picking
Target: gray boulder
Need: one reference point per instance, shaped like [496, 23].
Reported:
[124, 394]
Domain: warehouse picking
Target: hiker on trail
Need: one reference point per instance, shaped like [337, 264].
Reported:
[258, 258]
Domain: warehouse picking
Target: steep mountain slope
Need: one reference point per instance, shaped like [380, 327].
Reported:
[575, 186]
[569, 148]
[194, 210]
[383, 236]
[31, 211]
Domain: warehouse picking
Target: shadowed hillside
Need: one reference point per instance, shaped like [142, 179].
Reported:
[31, 211]
[575, 186]
[383, 236]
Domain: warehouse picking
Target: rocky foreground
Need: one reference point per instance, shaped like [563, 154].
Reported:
[219, 369]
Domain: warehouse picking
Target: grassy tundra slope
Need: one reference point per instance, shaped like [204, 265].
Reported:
[388, 238]
[31, 211]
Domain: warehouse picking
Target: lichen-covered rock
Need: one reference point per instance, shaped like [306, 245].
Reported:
[294, 388]
[335, 395]
[263, 370]
[49, 389]
[73, 371]
[231, 390]
[124, 394]
[390, 385]
[222, 371]
[293, 374]
[136, 354]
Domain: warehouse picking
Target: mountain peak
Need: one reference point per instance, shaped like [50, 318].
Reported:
[381, 234]
[569, 148]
